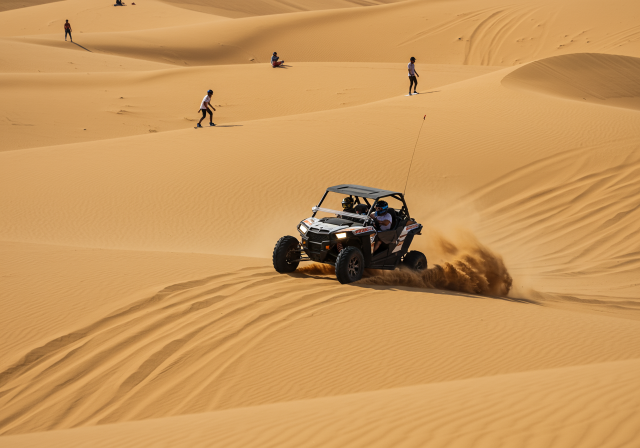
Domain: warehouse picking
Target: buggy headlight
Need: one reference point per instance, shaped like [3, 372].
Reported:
[303, 228]
[341, 235]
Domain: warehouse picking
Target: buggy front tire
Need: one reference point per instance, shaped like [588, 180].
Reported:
[287, 248]
[349, 265]
[416, 261]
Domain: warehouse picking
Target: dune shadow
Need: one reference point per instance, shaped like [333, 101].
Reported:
[81, 47]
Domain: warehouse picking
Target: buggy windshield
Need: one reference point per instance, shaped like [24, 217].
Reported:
[336, 212]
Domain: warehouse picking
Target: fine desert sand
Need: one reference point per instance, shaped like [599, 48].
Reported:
[139, 305]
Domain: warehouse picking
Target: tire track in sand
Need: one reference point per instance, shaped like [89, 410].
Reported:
[489, 36]
[160, 356]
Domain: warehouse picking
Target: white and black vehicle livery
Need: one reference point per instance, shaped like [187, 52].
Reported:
[346, 240]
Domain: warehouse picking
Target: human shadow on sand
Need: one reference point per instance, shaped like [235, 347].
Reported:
[81, 47]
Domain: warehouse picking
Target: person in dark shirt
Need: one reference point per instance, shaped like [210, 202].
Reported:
[274, 60]
[413, 76]
[67, 30]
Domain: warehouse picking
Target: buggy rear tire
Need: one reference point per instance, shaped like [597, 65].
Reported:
[349, 265]
[416, 261]
[287, 248]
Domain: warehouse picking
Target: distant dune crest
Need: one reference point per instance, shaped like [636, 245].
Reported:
[606, 79]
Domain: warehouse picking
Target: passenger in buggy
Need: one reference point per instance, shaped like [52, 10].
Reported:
[383, 219]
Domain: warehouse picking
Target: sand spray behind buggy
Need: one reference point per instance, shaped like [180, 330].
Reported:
[468, 267]
[475, 269]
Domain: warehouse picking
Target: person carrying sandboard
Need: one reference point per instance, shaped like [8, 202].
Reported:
[413, 76]
[205, 107]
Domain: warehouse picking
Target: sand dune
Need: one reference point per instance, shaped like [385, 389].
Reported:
[16, 4]
[47, 288]
[134, 103]
[91, 16]
[494, 34]
[245, 8]
[21, 57]
[139, 305]
[606, 79]
[589, 406]
[220, 342]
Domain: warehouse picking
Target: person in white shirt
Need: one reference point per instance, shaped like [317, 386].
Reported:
[384, 219]
[204, 108]
[412, 75]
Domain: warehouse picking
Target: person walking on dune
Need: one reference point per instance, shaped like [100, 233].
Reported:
[274, 60]
[67, 30]
[413, 81]
[205, 107]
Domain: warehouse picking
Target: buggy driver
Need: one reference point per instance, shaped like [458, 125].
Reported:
[361, 209]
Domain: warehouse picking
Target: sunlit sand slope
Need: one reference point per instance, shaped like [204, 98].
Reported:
[605, 79]
[139, 304]
[91, 16]
[586, 406]
[99, 106]
[47, 289]
[243, 337]
[244, 8]
[534, 201]
[22, 57]
[7, 5]
[494, 33]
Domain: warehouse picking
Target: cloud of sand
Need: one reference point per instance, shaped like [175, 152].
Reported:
[465, 265]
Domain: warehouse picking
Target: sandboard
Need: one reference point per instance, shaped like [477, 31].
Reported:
[196, 127]
[412, 94]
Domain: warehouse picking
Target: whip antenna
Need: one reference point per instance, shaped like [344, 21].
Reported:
[414, 153]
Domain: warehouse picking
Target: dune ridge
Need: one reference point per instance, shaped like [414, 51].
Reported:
[244, 8]
[427, 414]
[181, 350]
[606, 79]
[494, 35]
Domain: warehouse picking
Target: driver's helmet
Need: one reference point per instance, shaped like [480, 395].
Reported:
[347, 203]
[361, 209]
[381, 208]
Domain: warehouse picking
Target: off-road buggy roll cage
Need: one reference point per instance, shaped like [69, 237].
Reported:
[350, 241]
[361, 192]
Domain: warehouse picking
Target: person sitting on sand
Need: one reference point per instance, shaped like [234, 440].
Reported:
[274, 60]
[119, 3]
[204, 108]
[67, 30]
[412, 76]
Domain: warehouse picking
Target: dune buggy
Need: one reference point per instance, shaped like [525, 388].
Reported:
[347, 240]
